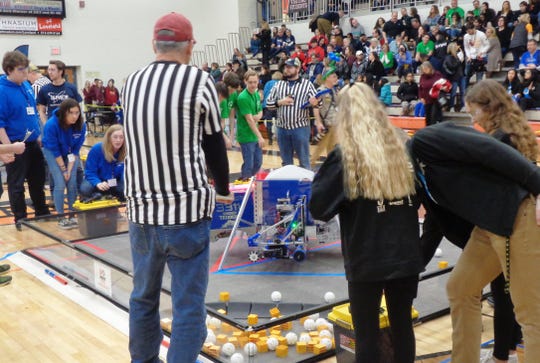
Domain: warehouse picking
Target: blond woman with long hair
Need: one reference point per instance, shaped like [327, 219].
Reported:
[104, 168]
[368, 181]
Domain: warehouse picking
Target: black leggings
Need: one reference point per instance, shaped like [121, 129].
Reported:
[365, 298]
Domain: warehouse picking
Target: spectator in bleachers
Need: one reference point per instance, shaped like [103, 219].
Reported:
[327, 20]
[506, 13]
[104, 167]
[374, 46]
[289, 42]
[314, 49]
[530, 90]
[433, 17]
[394, 45]
[266, 42]
[356, 28]
[404, 61]
[228, 69]
[531, 58]
[454, 8]
[238, 69]
[439, 53]
[523, 9]
[434, 31]
[379, 23]
[299, 53]
[281, 59]
[315, 67]
[347, 42]
[323, 44]
[453, 71]
[454, 28]
[264, 76]
[392, 28]
[387, 60]
[414, 14]
[277, 44]
[414, 31]
[518, 42]
[374, 67]
[342, 69]
[359, 67]
[349, 56]
[363, 43]
[504, 33]
[477, 9]
[337, 33]
[405, 19]
[478, 24]
[494, 54]
[476, 46]
[317, 37]
[488, 13]
[385, 94]
[428, 77]
[443, 20]
[205, 67]
[424, 49]
[336, 47]
[513, 85]
[254, 44]
[215, 72]
[241, 58]
[408, 94]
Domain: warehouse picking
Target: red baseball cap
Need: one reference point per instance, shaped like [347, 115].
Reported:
[176, 23]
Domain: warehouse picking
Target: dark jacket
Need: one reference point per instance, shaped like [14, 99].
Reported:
[452, 68]
[474, 175]
[407, 91]
[379, 239]
[376, 69]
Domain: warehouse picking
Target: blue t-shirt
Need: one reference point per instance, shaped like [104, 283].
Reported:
[52, 96]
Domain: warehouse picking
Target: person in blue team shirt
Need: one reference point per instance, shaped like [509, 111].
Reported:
[63, 136]
[531, 58]
[19, 121]
[104, 169]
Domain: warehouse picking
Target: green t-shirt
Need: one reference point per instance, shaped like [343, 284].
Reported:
[228, 104]
[451, 11]
[425, 48]
[247, 104]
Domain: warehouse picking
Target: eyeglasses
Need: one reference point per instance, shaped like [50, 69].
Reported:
[22, 69]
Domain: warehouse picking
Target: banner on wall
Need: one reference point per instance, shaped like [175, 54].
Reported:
[53, 8]
[29, 25]
[298, 5]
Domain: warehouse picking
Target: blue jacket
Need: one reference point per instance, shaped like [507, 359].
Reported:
[267, 88]
[386, 95]
[18, 112]
[62, 142]
[98, 169]
[528, 58]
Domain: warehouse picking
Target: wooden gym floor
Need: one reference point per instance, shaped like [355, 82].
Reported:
[37, 323]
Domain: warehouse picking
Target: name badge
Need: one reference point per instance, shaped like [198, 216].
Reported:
[30, 110]
[112, 182]
[71, 158]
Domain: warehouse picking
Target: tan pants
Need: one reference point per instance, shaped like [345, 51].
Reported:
[482, 260]
[327, 143]
[324, 26]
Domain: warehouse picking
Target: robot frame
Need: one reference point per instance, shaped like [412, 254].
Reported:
[274, 218]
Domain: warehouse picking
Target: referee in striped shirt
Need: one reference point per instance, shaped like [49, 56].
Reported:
[173, 133]
[292, 124]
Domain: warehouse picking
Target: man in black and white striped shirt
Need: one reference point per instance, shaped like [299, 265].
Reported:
[173, 133]
[36, 79]
[292, 124]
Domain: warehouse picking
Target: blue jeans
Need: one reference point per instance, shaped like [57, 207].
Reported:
[252, 155]
[60, 183]
[461, 84]
[293, 140]
[185, 250]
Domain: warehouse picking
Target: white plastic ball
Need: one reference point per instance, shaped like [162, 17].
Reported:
[314, 316]
[276, 296]
[215, 322]
[327, 342]
[292, 338]
[210, 337]
[330, 327]
[272, 343]
[237, 358]
[309, 324]
[329, 297]
[321, 322]
[228, 349]
[208, 319]
[304, 338]
[250, 349]
[438, 252]
[325, 334]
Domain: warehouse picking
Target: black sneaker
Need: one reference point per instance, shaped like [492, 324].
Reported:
[18, 225]
[4, 269]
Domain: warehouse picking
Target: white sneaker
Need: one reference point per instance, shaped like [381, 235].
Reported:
[452, 109]
[486, 356]
[513, 358]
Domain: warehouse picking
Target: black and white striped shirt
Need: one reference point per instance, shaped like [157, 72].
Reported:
[292, 117]
[40, 82]
[169, 108]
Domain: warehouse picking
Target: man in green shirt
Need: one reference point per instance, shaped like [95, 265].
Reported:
[248, 134]
[454, 8]
[228, 106]
[424, 49]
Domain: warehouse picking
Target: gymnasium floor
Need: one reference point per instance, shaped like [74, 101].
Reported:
[41, 321]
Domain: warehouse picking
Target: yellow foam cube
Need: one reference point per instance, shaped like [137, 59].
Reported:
[282, 351]
[313, 334]
[275, 313]
[310, 345]
[282, 340]
[235, 341]
[222, 311]
[243, 340]
[237, 334]
[319, 349]
[226, 328]
[252, 319]
[224, 296]
[275, 332]
[214, 350]
[262, 347]
[254, 338]
[301, 347]
[221, 339]
[286, 326]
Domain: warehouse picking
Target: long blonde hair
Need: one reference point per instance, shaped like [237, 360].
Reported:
[108, 149]
[499, 111]
[375, 163]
